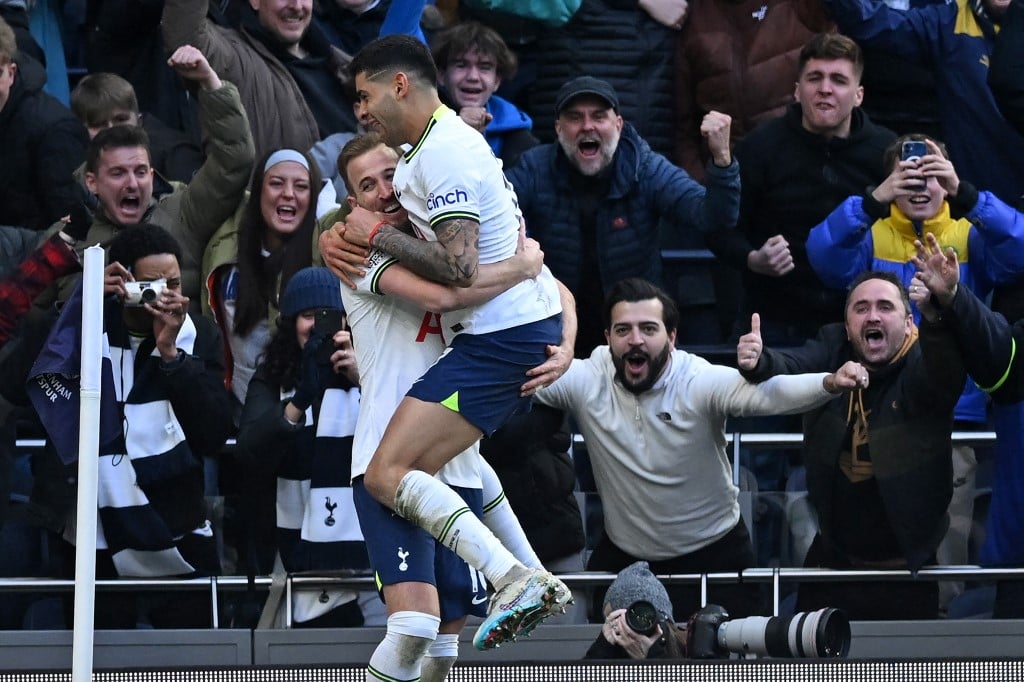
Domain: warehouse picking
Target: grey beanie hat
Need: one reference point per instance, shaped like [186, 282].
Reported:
[634, 583]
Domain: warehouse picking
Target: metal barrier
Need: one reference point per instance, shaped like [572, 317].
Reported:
[213, 584]
[769, 441]
[774, 576]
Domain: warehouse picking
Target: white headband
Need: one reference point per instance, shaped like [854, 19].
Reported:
[286, 155]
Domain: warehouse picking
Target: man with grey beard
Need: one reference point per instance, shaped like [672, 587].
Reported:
[597, 200]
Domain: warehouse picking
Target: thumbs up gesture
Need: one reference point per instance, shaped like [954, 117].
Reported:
[748, 350]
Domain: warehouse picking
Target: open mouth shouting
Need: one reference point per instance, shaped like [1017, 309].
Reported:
[129, 208]
[875, 341]
[287, 213]
[636, 363]
[471, 96]
[589, 147]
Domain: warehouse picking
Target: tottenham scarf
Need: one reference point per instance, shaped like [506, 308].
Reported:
[155, 451]
[141, 441]
[318, 530]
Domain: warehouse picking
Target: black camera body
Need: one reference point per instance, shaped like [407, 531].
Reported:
[824, 633]
[702, 632]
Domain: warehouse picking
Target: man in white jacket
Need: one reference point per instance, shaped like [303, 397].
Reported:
[653, 418]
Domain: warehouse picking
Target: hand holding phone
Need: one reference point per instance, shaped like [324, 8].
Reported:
[328, 321]
[914, 150]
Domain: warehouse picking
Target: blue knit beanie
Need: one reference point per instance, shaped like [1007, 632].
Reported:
[311, 288]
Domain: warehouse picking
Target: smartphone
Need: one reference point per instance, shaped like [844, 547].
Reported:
[914, 150]
[326, 323]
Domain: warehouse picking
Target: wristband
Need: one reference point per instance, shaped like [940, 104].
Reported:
[373, 232]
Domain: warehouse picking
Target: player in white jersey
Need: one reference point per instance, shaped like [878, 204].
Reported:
[466, 215]
[427, 592]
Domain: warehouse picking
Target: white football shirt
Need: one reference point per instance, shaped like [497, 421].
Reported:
[395, 343]
[451, 173]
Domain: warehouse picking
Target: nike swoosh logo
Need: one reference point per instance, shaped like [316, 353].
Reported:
[479, 600]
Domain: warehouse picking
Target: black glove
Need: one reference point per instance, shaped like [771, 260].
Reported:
[81, 220]
[313, 374]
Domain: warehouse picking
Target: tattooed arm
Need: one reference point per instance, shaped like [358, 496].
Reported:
[453, 259]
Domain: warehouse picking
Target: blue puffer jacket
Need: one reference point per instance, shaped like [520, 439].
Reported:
[509, 133]
[646, 189]
[950, 40]
[989, 241]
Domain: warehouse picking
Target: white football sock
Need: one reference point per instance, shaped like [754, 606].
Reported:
[503, 522]
[400, 655]
[440, 658]
[438, 509]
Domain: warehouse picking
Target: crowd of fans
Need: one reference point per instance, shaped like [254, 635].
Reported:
[217, 149]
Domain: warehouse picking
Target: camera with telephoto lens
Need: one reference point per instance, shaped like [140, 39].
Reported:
[138, 294]
[824, 633]
[642, 617]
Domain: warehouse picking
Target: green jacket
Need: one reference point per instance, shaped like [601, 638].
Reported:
[325, 223]
[193, 212]
[221, 253]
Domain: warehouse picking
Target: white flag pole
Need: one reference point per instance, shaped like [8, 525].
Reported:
[88, 457]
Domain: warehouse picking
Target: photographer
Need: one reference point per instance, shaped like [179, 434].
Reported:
[163, 410]
[638, 624]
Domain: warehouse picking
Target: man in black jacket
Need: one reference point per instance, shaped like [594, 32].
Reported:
[42, 143]
[879, 471]
[167, 410]
[793, 172]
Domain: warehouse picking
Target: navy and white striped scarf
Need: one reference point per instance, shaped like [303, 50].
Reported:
[153, 451]
[318, 530]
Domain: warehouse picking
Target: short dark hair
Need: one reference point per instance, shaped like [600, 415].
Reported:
[458, 39]
[115, 137]
[391, 54]
[894, 152]
[636, 289]
[833, 46]
[139, 241]
[354, 148]
[98, 95]
[885, 276]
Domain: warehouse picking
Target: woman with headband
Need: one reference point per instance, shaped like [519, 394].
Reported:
[246, 268]
[250, 259]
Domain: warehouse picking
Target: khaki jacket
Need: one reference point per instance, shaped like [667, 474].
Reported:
[193, 212]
